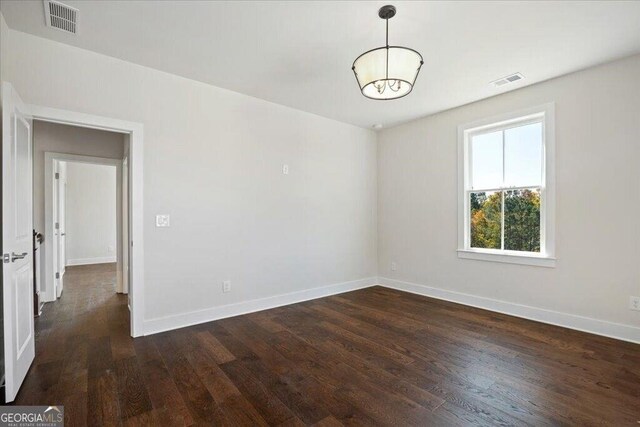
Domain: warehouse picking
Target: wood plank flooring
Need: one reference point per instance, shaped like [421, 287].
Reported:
[370, 357]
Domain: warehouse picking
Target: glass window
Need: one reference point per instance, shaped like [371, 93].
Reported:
[486, 219]
[486, 160]
[504, 191]
[523, 155]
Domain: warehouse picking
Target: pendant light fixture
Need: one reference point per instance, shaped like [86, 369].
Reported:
[387, 72]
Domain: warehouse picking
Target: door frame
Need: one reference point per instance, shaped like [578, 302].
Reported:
[51, 285]
[136, 181]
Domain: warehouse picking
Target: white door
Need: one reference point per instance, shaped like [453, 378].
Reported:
[61, 184]
[17, 229]
[59, 233]
[125, 226]
[55, 247]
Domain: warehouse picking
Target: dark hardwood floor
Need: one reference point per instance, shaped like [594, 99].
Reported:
[369, 357]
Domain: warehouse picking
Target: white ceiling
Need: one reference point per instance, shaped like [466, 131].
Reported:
[300, 54]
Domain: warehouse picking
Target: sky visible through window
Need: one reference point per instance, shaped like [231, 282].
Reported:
[522, 158]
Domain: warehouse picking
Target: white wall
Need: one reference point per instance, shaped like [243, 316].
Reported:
[4, 45]
[90, 213]
[598, 200]
[213, 161]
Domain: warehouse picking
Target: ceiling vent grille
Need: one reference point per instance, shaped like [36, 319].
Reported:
[61, 16]
[508, 79]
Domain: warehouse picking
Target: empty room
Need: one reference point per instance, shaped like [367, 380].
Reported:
[320, 213]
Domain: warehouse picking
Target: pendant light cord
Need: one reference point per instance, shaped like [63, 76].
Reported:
[387, 39]
[387, 44]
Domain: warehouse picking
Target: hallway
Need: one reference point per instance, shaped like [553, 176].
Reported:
[78, 339]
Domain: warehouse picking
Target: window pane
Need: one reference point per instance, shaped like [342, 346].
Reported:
[523, 156]
[486, 160]
[486, 219]
[522, 220]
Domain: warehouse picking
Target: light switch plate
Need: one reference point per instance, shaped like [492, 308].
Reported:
[162, 220]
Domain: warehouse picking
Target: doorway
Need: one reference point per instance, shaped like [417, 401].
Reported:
[18, 244]
[84, 218]
[133, 134]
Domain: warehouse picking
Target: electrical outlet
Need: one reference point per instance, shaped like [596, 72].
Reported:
[110, 249]
[394, 266]
[285, 169]
[226, 286]
[634, 303]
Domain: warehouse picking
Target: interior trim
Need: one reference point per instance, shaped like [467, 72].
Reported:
[95, 260]
[182, 320]
[509, 258]
[571, 321]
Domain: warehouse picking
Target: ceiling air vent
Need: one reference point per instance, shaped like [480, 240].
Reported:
[506, 80]
[61, 16]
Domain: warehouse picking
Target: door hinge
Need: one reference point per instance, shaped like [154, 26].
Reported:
[57, 225]
[57, 175]
[57, 275]
[6, 258]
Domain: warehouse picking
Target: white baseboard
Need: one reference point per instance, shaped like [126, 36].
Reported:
[96, 260]
[167, 323]
[571, 321]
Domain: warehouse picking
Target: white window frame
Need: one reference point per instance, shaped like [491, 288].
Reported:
[546, 257]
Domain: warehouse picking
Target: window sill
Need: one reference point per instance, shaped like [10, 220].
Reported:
[535, 260]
